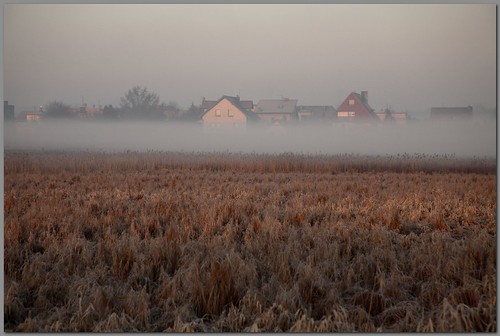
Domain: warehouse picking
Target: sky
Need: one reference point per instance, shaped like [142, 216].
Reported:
[408, 57]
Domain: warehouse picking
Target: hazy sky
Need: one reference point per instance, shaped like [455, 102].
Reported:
[411, 57]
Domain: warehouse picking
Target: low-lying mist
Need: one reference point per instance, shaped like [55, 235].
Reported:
[475, 138]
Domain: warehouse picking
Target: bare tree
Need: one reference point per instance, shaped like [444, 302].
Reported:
[193, 113]
[139, 102]
[388, 115]
[56, 109]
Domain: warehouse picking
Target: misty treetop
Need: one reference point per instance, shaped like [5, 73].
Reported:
[56, 109]
[109, 112]
[139, 102]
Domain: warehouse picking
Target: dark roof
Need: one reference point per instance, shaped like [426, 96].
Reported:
[208, 104]
[242, 105]
[276, 106]
[247, 104]
[451, 112]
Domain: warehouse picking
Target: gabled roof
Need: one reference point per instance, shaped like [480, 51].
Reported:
[276, 106]
[239, 104]
[208, 104]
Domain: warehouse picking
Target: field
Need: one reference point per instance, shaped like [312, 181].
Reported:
[179, 242]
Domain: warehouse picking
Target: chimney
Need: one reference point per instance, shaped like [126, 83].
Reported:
[364, 96]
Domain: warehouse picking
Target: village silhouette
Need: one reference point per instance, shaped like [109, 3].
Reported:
[233, 111]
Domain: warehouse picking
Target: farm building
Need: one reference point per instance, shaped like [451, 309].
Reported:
[276, 110]
[85, 111]
[456, 113]
[228, 111]
[356, 108]
[316, 113]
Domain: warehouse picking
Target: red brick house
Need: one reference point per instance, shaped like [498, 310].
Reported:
[356, 108]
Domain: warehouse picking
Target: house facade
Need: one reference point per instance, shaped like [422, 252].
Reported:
[227, 111]
[276, 110]
[31, 116]
[356, 108]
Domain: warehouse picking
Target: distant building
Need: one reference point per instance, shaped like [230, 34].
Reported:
[356, 108]
[316, 113]
[85, 111]
[208, 104]
[228, 111]
[31, 116]
[276, 110]
[8, 111]
[457, 113]
[388, 115]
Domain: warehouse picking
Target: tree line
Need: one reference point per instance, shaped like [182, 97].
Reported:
[137, 103]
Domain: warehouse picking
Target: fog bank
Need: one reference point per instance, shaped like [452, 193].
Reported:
[463, 139]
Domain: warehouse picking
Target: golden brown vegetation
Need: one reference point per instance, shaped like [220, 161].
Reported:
[218, 242]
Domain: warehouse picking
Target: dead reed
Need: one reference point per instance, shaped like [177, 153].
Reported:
[219, 242]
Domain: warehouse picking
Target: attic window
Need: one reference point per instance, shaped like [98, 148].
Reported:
[351, 101]
[217, 113]
[230, 113]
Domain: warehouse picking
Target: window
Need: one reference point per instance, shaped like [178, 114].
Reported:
[346, 114]
[230, 113]
[217, 113]
[351, 101]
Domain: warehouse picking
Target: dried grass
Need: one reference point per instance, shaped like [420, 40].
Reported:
[216, 242]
